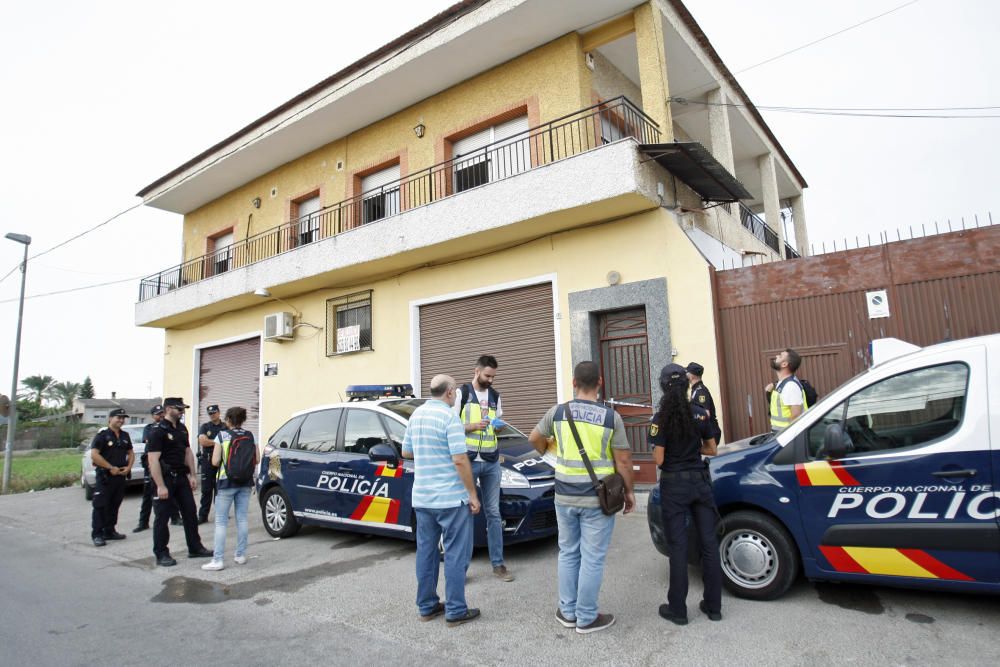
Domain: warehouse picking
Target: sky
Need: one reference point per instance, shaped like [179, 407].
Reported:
[103, 97]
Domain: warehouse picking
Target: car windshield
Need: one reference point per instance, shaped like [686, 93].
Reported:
[405, 407]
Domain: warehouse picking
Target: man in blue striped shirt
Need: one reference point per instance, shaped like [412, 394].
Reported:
[444, 499]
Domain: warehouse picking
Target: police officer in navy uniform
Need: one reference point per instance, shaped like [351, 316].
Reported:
[111, 452]
[146, 508]
[206, 445]
[171, 465]
[680, 434]
[701, 397]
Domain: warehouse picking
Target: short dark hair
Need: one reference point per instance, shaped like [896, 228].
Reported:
[794, 360]
[587, 375]
[487, 360]
[236, 416]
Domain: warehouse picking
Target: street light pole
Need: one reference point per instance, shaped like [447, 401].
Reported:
[12, 422]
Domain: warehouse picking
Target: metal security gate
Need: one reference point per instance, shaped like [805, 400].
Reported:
[938, 288]
[229, 376]
[516, 327]
[625, 368]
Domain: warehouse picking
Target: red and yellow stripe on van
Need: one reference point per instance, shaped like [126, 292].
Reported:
[824, 473]
[385, 471]
[890, 562]
[376, 509]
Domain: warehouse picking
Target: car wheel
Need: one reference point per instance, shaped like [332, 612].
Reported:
[759, 558]
[88, 491]
[277, 514]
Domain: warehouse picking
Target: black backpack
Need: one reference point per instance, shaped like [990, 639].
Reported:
[810, 391]
[239, 461]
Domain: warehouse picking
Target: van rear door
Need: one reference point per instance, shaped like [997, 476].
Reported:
[913, 499]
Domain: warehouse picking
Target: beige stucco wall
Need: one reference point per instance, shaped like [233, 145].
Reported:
[551, 81]
[644, 246]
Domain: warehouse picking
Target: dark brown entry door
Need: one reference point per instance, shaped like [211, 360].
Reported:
[625, 368]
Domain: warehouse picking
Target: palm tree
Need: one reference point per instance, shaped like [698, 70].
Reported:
[67, 392]
[39, 387]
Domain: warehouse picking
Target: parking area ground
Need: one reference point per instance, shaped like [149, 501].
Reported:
[343, 597]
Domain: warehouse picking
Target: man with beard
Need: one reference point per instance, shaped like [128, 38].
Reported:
[787, 399]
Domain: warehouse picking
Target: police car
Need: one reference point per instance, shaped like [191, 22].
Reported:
[339, 466]
[891, 479]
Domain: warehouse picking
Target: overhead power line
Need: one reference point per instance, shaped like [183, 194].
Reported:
[870, 112]
[74, 289]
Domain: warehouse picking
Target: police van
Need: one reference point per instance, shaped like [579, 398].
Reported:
[891, 479]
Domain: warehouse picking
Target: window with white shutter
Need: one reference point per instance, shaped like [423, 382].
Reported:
[222, 246]
[380, 194]
[491, 154]
[309, 220]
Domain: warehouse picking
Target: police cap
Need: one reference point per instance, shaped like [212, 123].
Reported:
[213, 409]
[118, 412]
[694, 368]
[156, 410]
[673, 375]
[175, 402]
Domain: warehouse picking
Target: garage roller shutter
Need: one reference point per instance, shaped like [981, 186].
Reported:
[229, 376]
[515, 326]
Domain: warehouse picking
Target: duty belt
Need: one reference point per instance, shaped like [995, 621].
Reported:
[689, 475]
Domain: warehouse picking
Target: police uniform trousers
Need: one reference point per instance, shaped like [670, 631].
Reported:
[109, 491]
[207, 471]
[684, 492]
[180, 496]
[146, 508]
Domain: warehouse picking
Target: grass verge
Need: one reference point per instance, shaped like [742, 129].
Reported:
[44, 469]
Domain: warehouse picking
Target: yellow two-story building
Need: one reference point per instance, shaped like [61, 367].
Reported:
[546, 181]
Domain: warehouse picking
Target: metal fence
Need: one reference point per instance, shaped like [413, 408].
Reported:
[556, 140]
[760, 229]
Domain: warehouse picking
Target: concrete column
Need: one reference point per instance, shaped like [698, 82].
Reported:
[799, 219]
[772, 207]
[651, 53]
[718, 125]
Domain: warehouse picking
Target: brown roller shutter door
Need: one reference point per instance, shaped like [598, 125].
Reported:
[515, 326]
[230, 376]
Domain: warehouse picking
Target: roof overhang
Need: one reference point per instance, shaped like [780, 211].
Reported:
[695, 167]
[465, 40]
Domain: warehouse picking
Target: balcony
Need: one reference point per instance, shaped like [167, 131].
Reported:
[759, 228]
[553, 142]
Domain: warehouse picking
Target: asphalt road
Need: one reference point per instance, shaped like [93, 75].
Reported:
[342, 598]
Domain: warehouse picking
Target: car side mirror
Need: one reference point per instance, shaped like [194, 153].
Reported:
[384, 453]
[836, 442]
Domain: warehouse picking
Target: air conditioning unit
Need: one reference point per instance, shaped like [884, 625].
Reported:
[278, 326]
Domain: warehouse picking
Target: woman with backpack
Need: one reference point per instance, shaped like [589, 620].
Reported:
[235, 459]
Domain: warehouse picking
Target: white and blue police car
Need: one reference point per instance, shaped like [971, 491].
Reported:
[891, 479]
[339, 466]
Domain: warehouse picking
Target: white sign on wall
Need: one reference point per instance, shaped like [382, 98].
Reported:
[878, 304]
[349, 338]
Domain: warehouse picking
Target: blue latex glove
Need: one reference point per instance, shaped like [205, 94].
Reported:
[497, 423]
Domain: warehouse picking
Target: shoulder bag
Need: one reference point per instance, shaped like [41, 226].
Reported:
[611, 489]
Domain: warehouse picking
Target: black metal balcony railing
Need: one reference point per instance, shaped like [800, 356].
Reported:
[556, 140]
[759, 228]
[790, 252]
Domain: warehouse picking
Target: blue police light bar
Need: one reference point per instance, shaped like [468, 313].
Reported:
[368, 392]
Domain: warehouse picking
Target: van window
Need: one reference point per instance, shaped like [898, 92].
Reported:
[905, 410]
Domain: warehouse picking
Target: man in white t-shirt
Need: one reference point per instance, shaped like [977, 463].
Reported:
[478, 405]
[786, 400]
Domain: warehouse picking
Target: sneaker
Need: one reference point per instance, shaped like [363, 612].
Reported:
[712, 615]
[672, 617]
[470, 615]
[240, 560]
[434, 613]
[602, 622]
[214, 565]
[563, 621]
[502, 573]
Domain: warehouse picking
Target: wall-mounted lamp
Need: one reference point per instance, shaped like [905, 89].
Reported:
[256, 202]
[265, 293]
[419, 130]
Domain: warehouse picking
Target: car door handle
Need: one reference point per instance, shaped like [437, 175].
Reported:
[344, 468]
[293, 462]
[955, 473]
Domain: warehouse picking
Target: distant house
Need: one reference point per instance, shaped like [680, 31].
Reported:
[95, 410]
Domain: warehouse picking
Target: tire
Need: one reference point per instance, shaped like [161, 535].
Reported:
[88, 491]
[759, 557]
[276, 511]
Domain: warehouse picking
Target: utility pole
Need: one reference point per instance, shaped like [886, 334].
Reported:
[12, 423]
